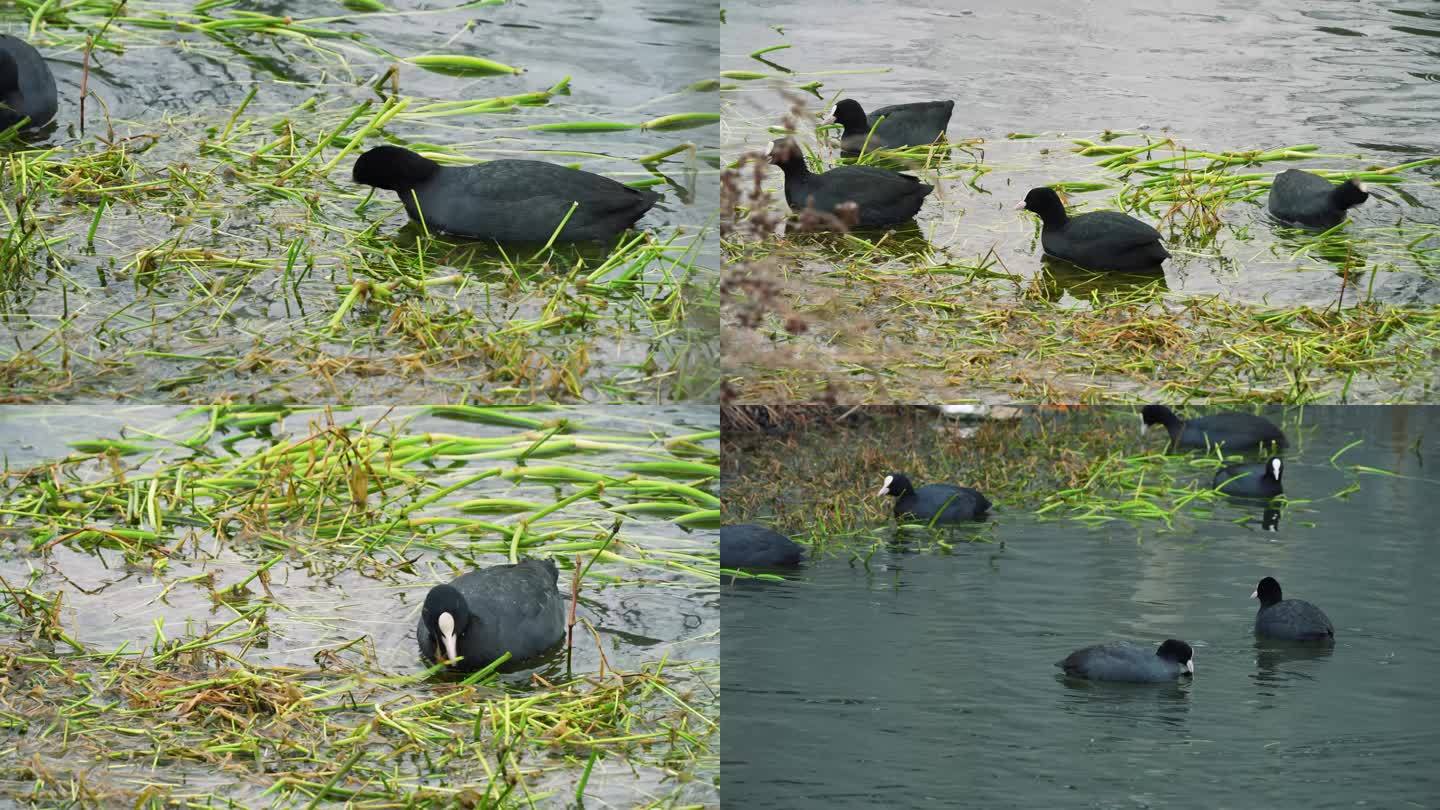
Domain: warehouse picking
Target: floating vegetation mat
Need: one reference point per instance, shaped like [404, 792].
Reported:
[195, 233]
[1087, 465]
[961, 305]
[216, 608]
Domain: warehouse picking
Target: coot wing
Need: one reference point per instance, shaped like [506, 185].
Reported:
[526, 200]
[1235, 428]
[922, 121]
[748, 545]
[860, 176]
[1294, 183]
[1099, 660]
[1113, 227]
[1301, 198]
[1294, 619]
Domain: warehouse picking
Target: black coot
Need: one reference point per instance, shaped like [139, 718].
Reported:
[1288, 619]
[933, 503]
[1124, 661]
[27, 88]
[505, 200]
[1251, 480]
[915, 124]
[486, 613]
[750, 546]
[1302, 198]
[882, 197]
[1098, 240]
[1233, 430]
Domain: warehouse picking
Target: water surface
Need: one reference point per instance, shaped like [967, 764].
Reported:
[336, 606]
[928, 676]
[1357, 81]
[220, 254]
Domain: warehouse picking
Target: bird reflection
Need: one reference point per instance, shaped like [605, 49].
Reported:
[1059, 277]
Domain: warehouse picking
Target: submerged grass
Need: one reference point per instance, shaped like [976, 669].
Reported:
[1089, 465]
[281, 686]
[225, 250]
[940, 311]
[952, 333]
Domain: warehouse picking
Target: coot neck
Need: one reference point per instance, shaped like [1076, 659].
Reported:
[856, 126]
[1173, 426]
[1347, 195]
[795, 168]
[1053, 218]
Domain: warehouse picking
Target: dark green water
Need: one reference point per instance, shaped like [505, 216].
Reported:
[928, 679]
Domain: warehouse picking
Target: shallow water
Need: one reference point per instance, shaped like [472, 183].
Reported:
[927, 677]
[341, 606]
[227, 286]
[1356, 79]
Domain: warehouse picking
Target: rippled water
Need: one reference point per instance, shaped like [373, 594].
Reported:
[1357, 79]
[166, 95]
[341, 603]
[928, 678]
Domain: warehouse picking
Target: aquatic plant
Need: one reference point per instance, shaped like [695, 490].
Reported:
[296, 534]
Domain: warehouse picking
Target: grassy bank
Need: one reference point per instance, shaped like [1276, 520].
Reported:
[195, 233]
[1088, 466]
[961, 305]
[218, 610]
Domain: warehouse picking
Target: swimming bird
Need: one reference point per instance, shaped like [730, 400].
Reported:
[1097, 240]
[1302, 198]
[1251, 480]
[1288, 619]
[27, 87]
[747, 545]
[505, 200]
[1125, 661]
[483, 614]
[914, 124]
[1233, 430]
[937, 503]
[882, 197]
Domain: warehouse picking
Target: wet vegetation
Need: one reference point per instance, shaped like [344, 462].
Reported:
[961, 306]
[813, 471]
[188, 228]
[217, 609]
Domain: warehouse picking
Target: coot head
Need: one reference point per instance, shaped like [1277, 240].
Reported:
[1178, 651]
[1273, 468]
[1268, 592]
[1351, 193]
[896, 485]
[1045, 203]
[446, 616]
[393, 168]
[786, 154]
[1157, 415]
[849, 114]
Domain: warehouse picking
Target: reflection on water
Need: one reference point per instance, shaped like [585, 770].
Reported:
[1243, 75]
[1061, 278]
[1280, 664]
[917, 676]
[170, 97]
